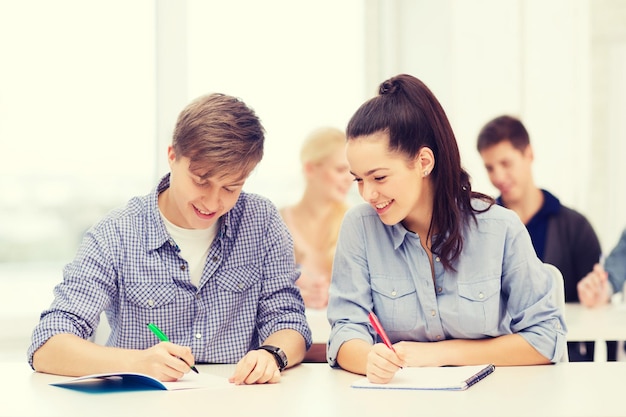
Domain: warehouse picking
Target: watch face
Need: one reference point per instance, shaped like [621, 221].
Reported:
[283, 357]
[279, 355]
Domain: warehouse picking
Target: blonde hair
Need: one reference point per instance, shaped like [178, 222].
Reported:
[321, 143]
[318, 145]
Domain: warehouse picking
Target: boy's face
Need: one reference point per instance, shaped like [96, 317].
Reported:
[192, 202]
[509, 170]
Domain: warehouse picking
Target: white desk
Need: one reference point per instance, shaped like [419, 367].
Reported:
[584, 324]
[597, 324]
[565, 389]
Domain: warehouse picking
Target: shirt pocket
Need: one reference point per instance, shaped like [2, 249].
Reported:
[149, 303]
[479, 305]
[235, 284]
[395, 302]
[151, 296]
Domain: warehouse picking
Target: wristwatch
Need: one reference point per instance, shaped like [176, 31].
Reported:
[279, 355]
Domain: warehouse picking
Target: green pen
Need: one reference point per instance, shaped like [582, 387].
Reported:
[163, 338]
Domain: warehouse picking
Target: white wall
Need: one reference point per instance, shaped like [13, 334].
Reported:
[606, 196]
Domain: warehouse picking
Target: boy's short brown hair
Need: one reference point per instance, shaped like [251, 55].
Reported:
[220, 135]
[503, 128]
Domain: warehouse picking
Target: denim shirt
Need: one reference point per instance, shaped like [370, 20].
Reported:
[499, 286]
[129, 267]
[615, 264]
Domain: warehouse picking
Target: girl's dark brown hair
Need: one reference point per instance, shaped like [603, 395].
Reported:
[413, 118]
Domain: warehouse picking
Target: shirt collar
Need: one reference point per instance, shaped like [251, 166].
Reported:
[399, 233]
[156, 235]
[551, 204]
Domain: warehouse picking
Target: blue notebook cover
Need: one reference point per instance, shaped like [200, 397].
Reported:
[129, 381]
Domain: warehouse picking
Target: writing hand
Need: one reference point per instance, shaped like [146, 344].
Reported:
[382, 364]
[593, 289]
[163, 361]
[257, 367]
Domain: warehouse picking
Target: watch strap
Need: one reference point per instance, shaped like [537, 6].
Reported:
[279, 355]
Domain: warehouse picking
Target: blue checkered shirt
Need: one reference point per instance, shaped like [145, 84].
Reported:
[129, 267]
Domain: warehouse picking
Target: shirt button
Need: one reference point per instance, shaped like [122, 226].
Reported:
[198, 335]
[437, 259]
[433, 313]
[240, 285]
[151, 303]
[393, 293]
[439, 289]
[481, 295]
[438, 337]
[183, 267]
[215, 259]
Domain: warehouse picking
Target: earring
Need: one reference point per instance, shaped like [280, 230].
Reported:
[426, 172]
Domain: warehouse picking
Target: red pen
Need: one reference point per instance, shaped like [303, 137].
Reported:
[379, 329]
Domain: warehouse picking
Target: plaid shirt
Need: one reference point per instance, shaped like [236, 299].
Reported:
[129, 267]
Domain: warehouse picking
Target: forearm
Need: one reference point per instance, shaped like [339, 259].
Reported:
[291, 342]
[352, 356]
[507, 350]
[68, 354]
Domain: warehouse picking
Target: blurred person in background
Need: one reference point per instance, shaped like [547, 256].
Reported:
[561, 236]
[597, 287]
[315, 219]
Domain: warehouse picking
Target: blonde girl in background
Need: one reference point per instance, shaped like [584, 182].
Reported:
[315, 219]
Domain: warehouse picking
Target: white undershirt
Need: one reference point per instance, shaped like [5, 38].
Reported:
[194, 246]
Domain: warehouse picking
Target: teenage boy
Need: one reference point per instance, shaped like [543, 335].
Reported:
[210, 265]
[561, 236]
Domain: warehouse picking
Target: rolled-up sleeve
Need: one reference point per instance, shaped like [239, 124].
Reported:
[88, 286]
[350, 297]
[615, 264]
[280, 304]
[530, 287]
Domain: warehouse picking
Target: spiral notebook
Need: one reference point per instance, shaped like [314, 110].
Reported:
[446, 378]
[129, 381]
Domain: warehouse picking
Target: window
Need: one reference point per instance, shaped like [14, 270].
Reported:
[76, 119]
[78, 101]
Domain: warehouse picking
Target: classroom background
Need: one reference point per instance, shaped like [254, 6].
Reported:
[90, 92]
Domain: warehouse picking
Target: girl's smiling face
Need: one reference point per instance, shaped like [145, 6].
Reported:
[392, 184]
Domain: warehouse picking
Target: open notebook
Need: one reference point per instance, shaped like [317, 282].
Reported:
[127, 381]
[449, 378]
